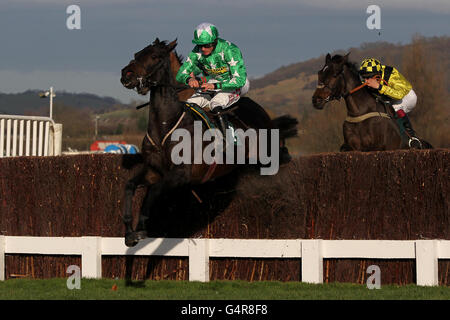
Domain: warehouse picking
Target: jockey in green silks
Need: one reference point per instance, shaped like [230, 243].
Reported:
[217, 68]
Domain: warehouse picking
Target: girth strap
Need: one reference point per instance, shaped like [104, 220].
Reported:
[367, 116]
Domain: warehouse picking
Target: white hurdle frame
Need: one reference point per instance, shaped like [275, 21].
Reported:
[426, 253]
[40, 136]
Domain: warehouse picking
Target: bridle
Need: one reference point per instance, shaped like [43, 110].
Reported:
[333, 91]
[346, 93]
[145, 82]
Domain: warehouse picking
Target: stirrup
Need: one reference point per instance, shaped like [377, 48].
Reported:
[414, 140]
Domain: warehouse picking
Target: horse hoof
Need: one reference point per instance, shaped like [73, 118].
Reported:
[415, 143]
[133, 238]
[141, 234]
[130, 240]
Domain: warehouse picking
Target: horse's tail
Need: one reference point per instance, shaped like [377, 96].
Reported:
[287, 126]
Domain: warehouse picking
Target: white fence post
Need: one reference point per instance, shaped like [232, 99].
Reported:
[2, 137]
[91, 257]
[198, 260]
[312, 261]
[8, 137]
[57, 139]
[427, 263]
[2, 257]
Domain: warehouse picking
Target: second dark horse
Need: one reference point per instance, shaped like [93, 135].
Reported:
[153, 70]
[370, 124]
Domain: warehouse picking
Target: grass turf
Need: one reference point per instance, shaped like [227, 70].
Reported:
[109, 289]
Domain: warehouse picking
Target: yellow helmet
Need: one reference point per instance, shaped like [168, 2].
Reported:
[370, 66]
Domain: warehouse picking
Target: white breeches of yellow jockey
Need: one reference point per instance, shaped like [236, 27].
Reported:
[408, 102]
[221, 98]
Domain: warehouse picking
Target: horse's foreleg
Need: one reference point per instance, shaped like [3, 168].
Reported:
[130, 190]
[133, 237]
[153, 193]
[156, 188]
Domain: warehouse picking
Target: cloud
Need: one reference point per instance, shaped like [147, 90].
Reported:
[441, 6]
[437, 6]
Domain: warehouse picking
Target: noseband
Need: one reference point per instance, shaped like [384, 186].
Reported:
[144, 82]
[332, 95]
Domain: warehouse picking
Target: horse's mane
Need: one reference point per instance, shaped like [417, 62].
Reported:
[161, 44]
[180, 58]
[352, 66]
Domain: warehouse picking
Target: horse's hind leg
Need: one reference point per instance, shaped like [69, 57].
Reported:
[285, 157]
[426, 144]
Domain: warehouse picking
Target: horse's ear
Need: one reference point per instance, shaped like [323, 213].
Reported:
[328, 59]
[346, 57]
[172, 45]
[156, 41]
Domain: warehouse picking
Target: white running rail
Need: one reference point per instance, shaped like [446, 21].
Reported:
[29, 136]
[426, 253]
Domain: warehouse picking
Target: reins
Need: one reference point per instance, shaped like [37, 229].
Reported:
[366, 115]
[154, 84]
[167, 135]
[377, 77]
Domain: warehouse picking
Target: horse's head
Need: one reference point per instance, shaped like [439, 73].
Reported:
[144, 69]
[330, 82]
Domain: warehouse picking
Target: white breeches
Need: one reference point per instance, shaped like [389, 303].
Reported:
[408, 102]
[221, 98]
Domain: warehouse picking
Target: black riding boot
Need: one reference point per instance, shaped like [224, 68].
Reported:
[413, 140]
[222, 119]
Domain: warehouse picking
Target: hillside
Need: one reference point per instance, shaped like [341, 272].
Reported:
[30, 102]
[388, 53]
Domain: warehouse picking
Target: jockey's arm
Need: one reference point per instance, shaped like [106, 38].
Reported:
[238, 72]
[397, 86]
[187, 68]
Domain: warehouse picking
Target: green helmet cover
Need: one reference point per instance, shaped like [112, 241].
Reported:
[205, 33]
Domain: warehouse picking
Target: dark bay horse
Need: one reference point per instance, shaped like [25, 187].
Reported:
[153, 69]
[370, 124]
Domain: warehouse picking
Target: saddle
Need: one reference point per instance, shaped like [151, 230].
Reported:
[209, 118]
[385, 100]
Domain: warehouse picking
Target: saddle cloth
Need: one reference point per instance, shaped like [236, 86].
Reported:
[200, 114]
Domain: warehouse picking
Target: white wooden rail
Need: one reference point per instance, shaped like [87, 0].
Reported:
[29, 136]
[311, 252]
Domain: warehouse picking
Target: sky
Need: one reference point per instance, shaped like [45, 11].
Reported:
[38, 50]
